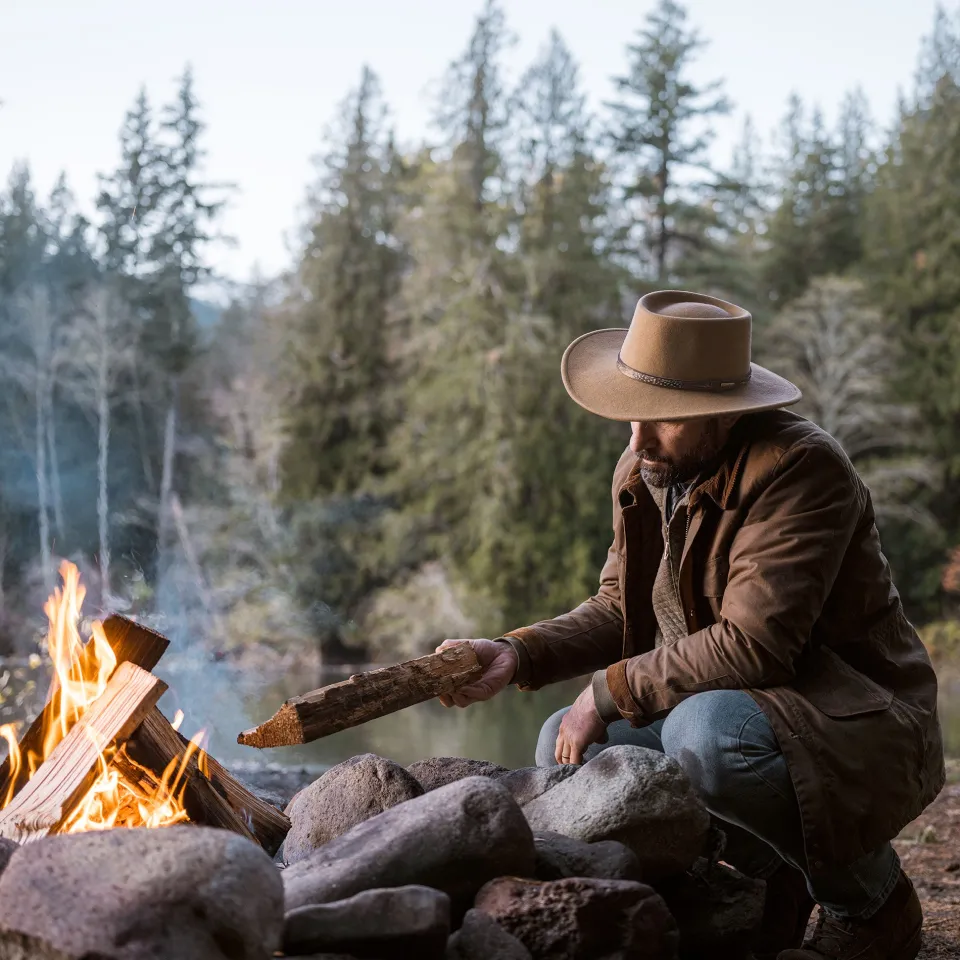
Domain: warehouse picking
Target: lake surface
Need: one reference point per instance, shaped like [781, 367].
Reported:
[223, 700]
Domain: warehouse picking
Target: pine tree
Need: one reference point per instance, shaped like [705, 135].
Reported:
[338, 363]
[661, 134]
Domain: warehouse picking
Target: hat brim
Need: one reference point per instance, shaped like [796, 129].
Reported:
[590, 374]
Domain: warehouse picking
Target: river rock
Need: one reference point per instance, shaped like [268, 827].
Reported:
[559, 857]
[528, 783]
[399, 922]
[189, 893]
[7, 849]
[716, 908]
[638, 796]
[480, 937]
[347, 794]
[580, 919]
[454, 839]
[439, 771]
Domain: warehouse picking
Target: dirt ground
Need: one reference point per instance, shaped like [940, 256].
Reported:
[930, 850]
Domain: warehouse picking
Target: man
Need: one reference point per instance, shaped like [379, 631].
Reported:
[746, 625]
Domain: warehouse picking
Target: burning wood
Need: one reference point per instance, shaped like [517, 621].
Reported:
[364, 697]
[102, 755]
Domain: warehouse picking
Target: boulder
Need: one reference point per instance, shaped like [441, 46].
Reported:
[454, 839]
[7, 849]
[189, 893]
[347, 794]
[481, 938]
[580, 919]
[439, 771]
[399, 922]
[716, 908]
[528, 783]
[559, 857]
[638, 796]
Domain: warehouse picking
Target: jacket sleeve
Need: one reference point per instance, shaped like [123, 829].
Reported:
[782, 565]
[587, 638]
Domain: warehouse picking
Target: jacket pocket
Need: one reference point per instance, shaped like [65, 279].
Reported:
[836, 689]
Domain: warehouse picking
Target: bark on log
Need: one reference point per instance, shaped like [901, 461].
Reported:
[131, 643]
[65, 776]
[214, 798]
[364, 697]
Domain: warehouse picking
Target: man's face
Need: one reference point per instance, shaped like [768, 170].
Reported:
[675, 452]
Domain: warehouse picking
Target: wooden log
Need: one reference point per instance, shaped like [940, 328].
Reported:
[366, 696]
[48, 798]
[131, 643]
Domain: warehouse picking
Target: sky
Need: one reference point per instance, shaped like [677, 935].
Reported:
[270, 73]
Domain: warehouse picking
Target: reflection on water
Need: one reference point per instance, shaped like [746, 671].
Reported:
[223, 700]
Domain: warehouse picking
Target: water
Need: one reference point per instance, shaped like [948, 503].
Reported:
[223, 700]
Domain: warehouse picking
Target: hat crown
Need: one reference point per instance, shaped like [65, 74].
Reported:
[683, 339]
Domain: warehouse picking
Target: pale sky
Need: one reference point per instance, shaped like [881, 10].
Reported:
[269, 76]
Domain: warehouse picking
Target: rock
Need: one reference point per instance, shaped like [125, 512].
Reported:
[559, 857]
[7, 849]
[397, 923]
[481, 938]
[716, 908]
[579, 919]
[439, 771]
[189, 893]
[528, 783]
[454, 839]
[638, 796]
[347, 794]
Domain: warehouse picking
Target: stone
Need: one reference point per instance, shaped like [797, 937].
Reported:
[580, 918]
[347, 794]
[638, 796]
[481, 938]
[559, 857]
[716, 908]
[393, 923]
[528, 783]
[7, 849]
[439, 771]
[187, 892]
[454, 839]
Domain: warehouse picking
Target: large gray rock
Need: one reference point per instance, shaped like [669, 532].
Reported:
[559, 857]
[716, 908]
[481, 938]
[581, 919]
[638, 796]
[390, 924]
[347, 794]
[179, 893]
[439, 771]
[528, 783]
[454, 839]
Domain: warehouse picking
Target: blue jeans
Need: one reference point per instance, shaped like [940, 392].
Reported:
[731, 755]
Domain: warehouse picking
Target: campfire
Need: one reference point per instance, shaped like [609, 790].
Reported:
[102, 755]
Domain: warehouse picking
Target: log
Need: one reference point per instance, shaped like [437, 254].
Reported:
[365, 696]
[131, 643]
[49, 797]
[212, 797]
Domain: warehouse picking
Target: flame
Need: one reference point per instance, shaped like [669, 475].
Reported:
[81, 673]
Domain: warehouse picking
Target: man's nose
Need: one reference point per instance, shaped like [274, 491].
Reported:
[644, 436]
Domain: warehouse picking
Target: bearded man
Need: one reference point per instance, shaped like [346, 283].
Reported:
[747, 625]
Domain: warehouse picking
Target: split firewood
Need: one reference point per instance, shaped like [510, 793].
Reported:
[65, 776]
[366, 696]
[131, 643]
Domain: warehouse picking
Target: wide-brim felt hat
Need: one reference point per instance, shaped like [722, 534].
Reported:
[685, 355]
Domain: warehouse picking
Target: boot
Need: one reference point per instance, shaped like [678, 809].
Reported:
[786, 910]
[892, 933]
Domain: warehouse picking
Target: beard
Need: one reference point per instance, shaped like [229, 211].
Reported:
[664, 472]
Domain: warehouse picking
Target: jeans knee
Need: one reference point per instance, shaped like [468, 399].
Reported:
[547, 741]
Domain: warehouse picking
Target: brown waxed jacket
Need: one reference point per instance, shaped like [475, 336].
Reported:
[788, 596]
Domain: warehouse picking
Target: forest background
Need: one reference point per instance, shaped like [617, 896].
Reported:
[374, 451]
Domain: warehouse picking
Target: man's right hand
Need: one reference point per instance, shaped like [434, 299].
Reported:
[499, 662]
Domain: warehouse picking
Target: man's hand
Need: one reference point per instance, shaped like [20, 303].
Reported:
[580, 727]
[499, 662]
